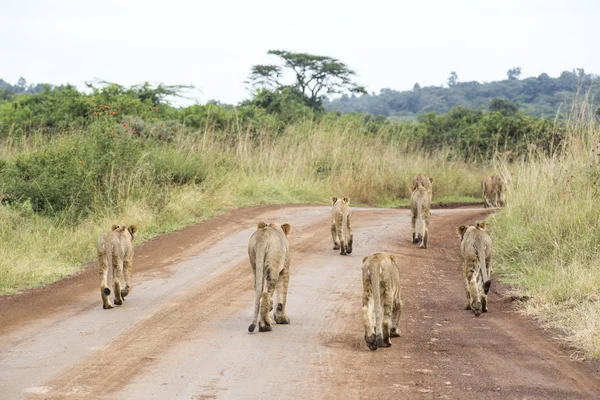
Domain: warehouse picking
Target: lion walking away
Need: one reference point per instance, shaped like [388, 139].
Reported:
[115, 249]
[269, 255]
[493, 190]
[341, 226]
[476, 250]
[382, 305]
[420, 211]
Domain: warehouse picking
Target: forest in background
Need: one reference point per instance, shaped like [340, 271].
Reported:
[538, 96]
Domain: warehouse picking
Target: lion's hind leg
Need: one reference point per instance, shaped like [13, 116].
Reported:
[266, 302]
[281, 289]
[471, 279]
[336, 242]
[396, 312]
[127, 272]
[425, 237]
[117, 276]
[103, 272]
[350, 237]
[386, 323]
[415, 235]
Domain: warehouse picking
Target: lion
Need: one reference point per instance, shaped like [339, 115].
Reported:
[381, 296]
[493, 189]
[476, 249]
[115, 248]
[341, 227]
[420, 204]
[426, 182]
[269, 255]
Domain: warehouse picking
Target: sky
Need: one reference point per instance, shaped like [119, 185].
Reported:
[213, 44]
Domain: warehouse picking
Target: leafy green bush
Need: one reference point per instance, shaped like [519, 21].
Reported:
[478, 135]
[105, 168]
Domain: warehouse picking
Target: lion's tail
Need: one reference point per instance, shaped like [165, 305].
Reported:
[420, 216]
[484, 272]
[258, 283]
[345, 229]
[375, 271]
[104, 260]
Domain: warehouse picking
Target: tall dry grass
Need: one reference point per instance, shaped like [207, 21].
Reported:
[547, 238]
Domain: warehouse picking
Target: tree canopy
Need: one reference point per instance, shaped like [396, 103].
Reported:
[315, 76]
[514, 73]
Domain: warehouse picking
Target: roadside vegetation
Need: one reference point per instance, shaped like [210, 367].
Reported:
[547, 239]
[74, 163]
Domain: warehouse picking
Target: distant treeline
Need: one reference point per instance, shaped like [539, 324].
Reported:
[539, 96]
[143, 111]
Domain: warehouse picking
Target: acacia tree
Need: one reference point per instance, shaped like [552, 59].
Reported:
[453, 79]
[315, 76]
[514, 73]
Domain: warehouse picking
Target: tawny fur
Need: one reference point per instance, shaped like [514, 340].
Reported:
[426, 182]
[382, 305]
[476, 250]
[341, 226]
[115, 250]
[493, 188]
[269, 255]
[420, 210]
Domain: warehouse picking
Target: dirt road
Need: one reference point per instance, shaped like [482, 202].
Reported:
[182, 333]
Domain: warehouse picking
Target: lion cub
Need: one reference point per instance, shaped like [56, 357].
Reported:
[420, 204]
[476, 249]
[341, 227]
[493, 188]
[115, 249]
[269, 255]
[381, 299]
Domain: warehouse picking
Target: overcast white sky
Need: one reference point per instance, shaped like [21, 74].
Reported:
[212, 44]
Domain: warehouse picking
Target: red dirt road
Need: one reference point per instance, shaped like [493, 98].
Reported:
[182, 333]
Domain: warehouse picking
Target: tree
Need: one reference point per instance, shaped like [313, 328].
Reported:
[453, 79]
[514, 73]
[315, 76]
[417, 87]
[22, 84]
[504, 106]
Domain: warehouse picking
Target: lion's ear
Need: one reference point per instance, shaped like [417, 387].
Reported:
[260, 225]
[482, 225]
[393, 258]
[346, 200]
[431, 180]
[287, 229]
[114, 227]
[461, 230]
[333, 199]
[132, 229]
[365, 259]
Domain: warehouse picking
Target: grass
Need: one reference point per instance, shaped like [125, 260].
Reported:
[165, 185]
[547, 238]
